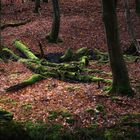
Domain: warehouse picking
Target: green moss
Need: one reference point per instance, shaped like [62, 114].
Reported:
[84, 61]
[102, 57]
[8, 101]
[70, 121]
[90, 110]
[72, 88]
[8, 54]
[53, 115]
[67, 55]
[130, 117]
[109, 135]
[27, 106]
[121, 90]
[34, 78]
[131, 58]
[25, 50]
[12, 131]
[82, 52]
[51, 40]
[100, 107]
[107, 88]
[5, 115]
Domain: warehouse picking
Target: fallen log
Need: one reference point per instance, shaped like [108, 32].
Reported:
[14, 24]
[42, 68]
[24, 50]
[102, 57]
[35, 78]
[82, 52]
[68, 55]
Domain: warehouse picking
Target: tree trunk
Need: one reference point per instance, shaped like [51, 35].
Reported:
[53, 36]
[130, 26]
[45, 1]
[137, 6]
[37, 6]
[121, 84]
[0, 29]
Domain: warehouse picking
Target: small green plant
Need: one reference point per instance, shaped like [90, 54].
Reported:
[11, 130]
[70, 121]
[107, 88]
[65, 114]
[90, 110]
[27, 106]
[109, 135]
[8, 101]
[53, 115]
[72, 88]
[130, 117]
[5, 115]
[100, 107]
[43, 131]
[94, 126]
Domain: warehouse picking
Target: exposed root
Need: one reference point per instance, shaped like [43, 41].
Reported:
[14, 24]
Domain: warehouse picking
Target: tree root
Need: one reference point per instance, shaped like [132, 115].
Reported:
[16, 24]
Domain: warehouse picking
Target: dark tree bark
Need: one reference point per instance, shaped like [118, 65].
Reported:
[121, 84]
[45, 1]
[37, 6]
[137, 6]
[53, 35]
[130, 27]
[0, 29]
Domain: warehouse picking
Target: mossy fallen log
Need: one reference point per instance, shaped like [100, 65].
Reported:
[7, 53]
[84, 78]
[84, 61]
[68, 55]
[33, 79]
[44, 72]
[25, 50]
[82, 52]
[102, 57]
[74, 70]
[78, 55]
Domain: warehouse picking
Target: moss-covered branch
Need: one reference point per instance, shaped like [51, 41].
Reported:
[74, 70]
[14, 24]
[33, 79]
[24, 50]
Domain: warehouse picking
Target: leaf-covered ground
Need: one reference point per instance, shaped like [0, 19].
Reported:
[81, 26]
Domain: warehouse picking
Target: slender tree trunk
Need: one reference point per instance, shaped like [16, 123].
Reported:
[0, 29]
[121, 84]
[37, 6]
[130, 26]
[137, 6]
[45, 1]
[53, 36]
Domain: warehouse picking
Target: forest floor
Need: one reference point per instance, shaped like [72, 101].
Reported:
[81, 26]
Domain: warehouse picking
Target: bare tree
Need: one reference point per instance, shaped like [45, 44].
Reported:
[130, 26]
[121, 84]
[0, 29]
[37, 6]
[53, 35]
[137, 6]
